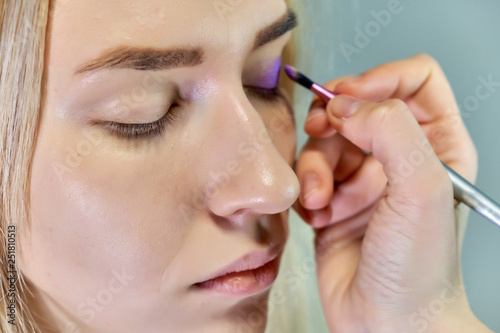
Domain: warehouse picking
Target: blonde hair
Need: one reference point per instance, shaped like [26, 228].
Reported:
[22, 44]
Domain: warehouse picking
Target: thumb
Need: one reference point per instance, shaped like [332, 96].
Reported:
[392, 134]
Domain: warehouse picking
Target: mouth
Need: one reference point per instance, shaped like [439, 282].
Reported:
[252, 273]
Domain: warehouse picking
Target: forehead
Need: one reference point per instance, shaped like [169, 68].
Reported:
[82, 29]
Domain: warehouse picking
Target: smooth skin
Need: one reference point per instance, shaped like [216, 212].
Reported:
[388, 234]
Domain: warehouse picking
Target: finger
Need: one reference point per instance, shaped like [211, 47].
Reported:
[330, 160]
[390, 131]
[317, 124]
[314, 169]
[418, 80]
[313, 217]
[363, 189]
[351, 160]
[360, 191]
[335, 236]
[422, 84]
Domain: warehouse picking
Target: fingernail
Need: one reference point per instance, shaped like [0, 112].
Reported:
[315, 112]
[310, 184]
[345, 106]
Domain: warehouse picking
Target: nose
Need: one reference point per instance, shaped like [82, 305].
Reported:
[247, 173]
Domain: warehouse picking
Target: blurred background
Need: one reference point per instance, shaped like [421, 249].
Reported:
[464, 37]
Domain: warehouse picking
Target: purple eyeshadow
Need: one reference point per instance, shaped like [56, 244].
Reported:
[271, 78]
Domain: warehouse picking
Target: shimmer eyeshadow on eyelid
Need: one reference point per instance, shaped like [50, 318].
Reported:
[270, 80]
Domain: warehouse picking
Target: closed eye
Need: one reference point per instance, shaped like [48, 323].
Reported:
[269, 95]
[157, 128]
[143, 130]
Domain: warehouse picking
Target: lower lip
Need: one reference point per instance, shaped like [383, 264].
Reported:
[243, 283]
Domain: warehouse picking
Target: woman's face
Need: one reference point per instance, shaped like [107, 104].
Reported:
[162, 161]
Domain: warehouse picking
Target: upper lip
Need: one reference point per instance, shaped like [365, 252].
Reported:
[249, 261]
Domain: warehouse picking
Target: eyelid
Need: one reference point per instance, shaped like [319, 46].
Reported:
[142, 130]
[269, 95]
[156, 128]
[264, 73]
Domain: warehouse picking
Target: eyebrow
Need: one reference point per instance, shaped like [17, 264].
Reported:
[144, 59]
[286, 23]
[157, 59]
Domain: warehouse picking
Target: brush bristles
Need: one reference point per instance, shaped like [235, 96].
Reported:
[298, 77]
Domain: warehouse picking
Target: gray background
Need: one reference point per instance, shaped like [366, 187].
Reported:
[464, 36]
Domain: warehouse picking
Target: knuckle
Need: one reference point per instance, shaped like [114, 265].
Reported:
[427, 59]
[396, 105]
[389, 108]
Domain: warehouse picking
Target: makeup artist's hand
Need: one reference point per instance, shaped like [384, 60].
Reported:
[388, 236]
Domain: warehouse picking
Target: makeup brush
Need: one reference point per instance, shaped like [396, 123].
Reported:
[463, 191]
[325, 94]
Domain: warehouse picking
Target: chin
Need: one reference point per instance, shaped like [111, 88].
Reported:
[250, 316]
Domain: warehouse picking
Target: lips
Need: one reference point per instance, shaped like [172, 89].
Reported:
[253, 272]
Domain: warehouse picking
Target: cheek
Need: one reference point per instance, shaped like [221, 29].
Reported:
[107, 214]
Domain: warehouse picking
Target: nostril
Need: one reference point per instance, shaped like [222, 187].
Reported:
[226, 223]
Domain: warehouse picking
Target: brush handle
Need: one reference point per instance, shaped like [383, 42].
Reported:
[325, 94]
[473, 197]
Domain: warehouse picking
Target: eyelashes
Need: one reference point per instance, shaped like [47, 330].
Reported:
[268, 95]
[157, 128]
[138, 131]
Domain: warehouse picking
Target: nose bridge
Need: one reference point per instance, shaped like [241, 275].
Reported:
[248, 172]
